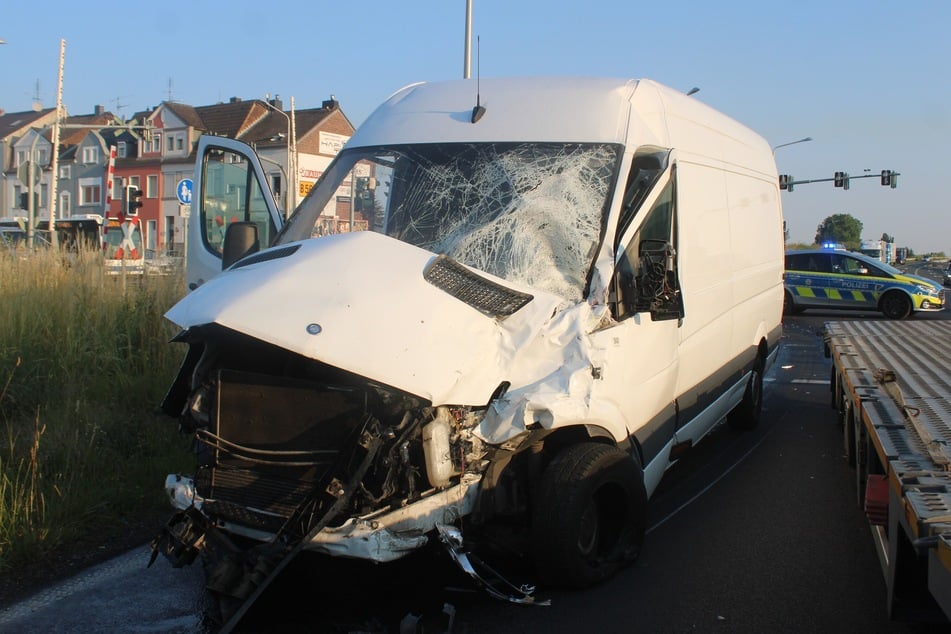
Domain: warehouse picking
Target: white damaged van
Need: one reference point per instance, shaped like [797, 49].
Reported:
[563, 285]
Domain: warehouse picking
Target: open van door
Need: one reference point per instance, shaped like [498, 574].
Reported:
[230, 187]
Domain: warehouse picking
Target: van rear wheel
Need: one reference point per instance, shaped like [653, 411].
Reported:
[747, 414]
[588, 515]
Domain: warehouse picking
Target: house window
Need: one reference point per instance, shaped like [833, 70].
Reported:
[90, 191]
[122, 149]
[170, 143]
[64, 204]
[156, 142]
[151, 186]
[64, 171]
[180, 143]
[90, 155]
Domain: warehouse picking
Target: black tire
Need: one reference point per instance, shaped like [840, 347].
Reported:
[588, 515]
[789, 308]
[848, 438]
[748, 413]
[895, 305]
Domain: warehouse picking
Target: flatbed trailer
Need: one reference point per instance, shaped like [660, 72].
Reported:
[891, 385]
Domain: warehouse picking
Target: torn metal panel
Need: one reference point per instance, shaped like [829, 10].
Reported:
[388, 536]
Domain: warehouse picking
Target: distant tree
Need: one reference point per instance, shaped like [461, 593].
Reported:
[840, 228]
[887, 238]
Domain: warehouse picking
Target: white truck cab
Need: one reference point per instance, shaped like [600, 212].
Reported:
[563, 284]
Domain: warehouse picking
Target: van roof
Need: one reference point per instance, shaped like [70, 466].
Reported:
[634, 112]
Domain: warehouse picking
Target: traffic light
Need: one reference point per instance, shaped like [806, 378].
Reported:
[132, 201]
[786, 182]
[841, 180]
[890, 178]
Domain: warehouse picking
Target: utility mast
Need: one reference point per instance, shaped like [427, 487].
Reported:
[468, 54]
[59, 120]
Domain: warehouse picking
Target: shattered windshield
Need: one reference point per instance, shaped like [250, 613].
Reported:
[530, 213]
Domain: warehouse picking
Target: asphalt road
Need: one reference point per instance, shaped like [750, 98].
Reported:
[752, 532]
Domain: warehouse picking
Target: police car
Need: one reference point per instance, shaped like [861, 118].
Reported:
[834, 278]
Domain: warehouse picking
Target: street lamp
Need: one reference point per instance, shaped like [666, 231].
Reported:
[808, 138]
[291, 171]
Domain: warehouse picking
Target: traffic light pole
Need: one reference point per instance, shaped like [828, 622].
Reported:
[841, 179]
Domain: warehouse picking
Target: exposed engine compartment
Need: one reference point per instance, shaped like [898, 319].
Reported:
[286, 445]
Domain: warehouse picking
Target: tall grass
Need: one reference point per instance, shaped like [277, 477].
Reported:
[84, 364]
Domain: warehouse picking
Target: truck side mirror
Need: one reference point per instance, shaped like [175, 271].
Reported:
[241, 239]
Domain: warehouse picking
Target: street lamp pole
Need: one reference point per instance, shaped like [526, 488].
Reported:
[467, 55]
[288, 186]
[776, 147]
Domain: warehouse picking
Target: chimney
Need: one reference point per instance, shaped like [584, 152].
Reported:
[100, 110]
[278, 103]
[331, 104]
[235, 100]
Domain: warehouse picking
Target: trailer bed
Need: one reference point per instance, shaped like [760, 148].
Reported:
[891, 384]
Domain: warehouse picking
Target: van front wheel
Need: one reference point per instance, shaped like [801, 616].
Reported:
[588, 515]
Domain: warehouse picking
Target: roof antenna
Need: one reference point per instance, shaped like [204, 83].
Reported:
[479, 110]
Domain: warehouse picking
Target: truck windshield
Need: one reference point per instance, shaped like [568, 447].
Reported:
[530, 213]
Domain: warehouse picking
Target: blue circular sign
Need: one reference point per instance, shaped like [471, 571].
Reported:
[184, 191]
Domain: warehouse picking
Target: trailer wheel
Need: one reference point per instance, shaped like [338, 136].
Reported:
[834, 388]
[848, 437]
[747, 414]
[588, 516]
[861, 463]
[895, 305]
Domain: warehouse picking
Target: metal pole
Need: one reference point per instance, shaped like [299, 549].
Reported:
[287, 160]
[353, 177]
[55, 164]
[468, 54]
[808, 138]
[31, 208]
[293, 173]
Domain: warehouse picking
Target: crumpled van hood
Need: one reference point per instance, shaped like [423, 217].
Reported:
[358, 301]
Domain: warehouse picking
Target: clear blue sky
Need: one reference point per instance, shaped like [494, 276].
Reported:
[868, 81]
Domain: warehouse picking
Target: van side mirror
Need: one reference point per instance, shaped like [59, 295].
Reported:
[658, 288]
[241, 239]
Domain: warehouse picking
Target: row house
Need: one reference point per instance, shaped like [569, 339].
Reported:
[165, 156]
[17, 133]
[154, 152]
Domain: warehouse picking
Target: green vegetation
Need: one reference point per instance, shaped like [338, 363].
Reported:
[842, 228]
[84, 364]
